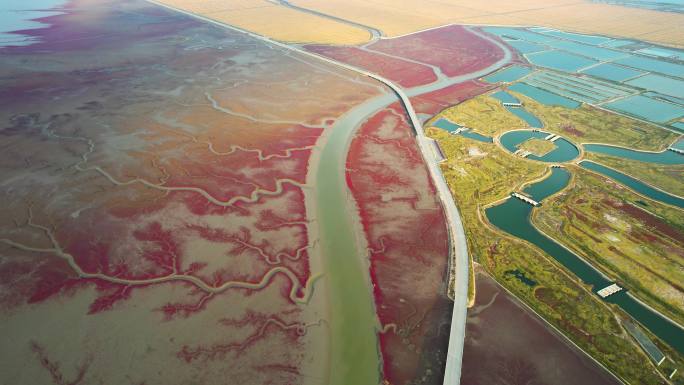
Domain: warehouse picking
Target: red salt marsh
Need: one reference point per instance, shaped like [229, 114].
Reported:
[408, 245]
[402, 72]
[433, 102]
[454, 49]
[154, 226]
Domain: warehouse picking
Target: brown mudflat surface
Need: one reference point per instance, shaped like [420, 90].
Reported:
[508, 344]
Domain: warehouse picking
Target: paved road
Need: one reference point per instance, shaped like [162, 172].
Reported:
[458, 245]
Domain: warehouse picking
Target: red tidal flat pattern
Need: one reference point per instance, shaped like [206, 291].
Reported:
[404, 73]
[154, 179]
[434, 102]
[454, 49]
[408, 243]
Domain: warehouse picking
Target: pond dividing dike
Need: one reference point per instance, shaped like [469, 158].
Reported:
[513, 217]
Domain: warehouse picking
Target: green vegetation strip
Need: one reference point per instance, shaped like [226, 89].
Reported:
[481, 174]
[538, 147]
[640, 241]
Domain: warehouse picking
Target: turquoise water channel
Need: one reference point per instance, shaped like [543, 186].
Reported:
[634, 184]
[520, 112]
[513, 217]
[664, 157]
[452, 127]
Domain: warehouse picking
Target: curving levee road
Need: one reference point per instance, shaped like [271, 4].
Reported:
[458, 245]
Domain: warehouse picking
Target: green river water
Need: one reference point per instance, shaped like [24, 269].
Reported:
[354, 356]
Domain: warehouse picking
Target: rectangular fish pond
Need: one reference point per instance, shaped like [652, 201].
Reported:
[612, 72]
[508, 75]
[544, 97]
[661, 84]
[653, 110]
[654, 65]
[526, 47]
[587, 39]
[559, 60]
[597, 53]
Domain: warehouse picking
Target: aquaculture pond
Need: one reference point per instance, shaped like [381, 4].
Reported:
[667, 98]
[559, 60]
[612, 72]
[598, 53]
[633, 183]
[513, 217]
[583, 89]
[663, 52]
[564, 151]
[518, 34]
[508, 75]
[616, 43]
[646, 108]
[659, 83]
[526, 46]
[544, 97]
[664, 157]
[654, 65]
[588, 39]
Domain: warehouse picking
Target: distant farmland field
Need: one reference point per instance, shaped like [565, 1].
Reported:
[275, 21]
[412, 15]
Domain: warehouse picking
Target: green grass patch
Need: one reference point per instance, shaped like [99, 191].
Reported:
[640, 245]
[485, 115]
[536, 146]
